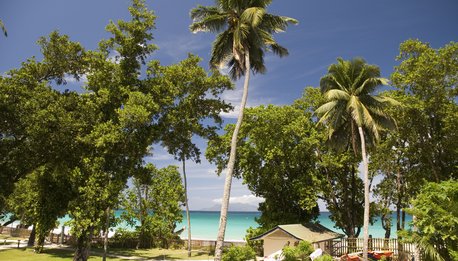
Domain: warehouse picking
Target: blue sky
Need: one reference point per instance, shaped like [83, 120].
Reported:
[327, 29]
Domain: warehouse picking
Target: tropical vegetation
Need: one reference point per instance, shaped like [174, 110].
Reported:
[244, 34]
[82, 154]
[354, 114]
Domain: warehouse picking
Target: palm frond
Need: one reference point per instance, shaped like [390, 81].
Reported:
[326, 108]
[252, 16]
[276, 24]
[260, 3]
[201, 12]
[370, 84]
[221, 49]
[279, 50]
[336, 94]
[3, 28]
[354, 107]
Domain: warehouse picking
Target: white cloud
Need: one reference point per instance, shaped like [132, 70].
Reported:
[114, 57]
[234, 97]
[71, 79]
[245, 199]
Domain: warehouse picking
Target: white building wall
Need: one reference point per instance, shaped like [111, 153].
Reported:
[274, 244]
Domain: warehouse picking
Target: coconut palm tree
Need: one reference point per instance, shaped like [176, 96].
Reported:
[244, 33]
[353, 114]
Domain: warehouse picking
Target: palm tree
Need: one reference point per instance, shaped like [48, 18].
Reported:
[352, 111]
[244, 32]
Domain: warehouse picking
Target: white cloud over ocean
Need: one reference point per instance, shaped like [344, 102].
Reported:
[244, 199]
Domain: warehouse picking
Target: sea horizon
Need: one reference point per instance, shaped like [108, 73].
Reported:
[205, 224]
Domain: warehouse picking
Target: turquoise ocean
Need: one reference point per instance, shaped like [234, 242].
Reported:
[204, 224]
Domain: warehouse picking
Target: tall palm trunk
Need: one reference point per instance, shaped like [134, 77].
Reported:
[230, 165]
[188, 216]
[366, 193]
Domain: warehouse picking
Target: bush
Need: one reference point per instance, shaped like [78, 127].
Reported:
[256, 245]
[239, 253]
[324, 258]
[124, 239]
[300, 252]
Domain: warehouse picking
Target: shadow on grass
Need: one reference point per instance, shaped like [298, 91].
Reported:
[151, 254]
[61, 253]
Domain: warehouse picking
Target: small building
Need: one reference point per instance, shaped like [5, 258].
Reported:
[290, 235]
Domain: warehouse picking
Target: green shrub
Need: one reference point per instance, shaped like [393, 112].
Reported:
[324, 258]
[239, 253]
[300, 252]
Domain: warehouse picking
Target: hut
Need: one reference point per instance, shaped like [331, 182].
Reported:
[284, 235]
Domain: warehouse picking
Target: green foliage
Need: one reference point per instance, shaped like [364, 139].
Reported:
[300, 252]
[256, 245]
[427, 80]
[325, 257]
[96, 139]
[436, 220]
[349, 90]
[276, 143]
[239, 253]
[40, 199]
[243, 27]
[195, 100]
[155, 202]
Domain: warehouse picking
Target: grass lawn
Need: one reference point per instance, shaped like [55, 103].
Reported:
[25, 254]
[160, 254]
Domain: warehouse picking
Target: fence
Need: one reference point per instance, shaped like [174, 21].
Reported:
[124, 243]
[344, 246]
[15, 232]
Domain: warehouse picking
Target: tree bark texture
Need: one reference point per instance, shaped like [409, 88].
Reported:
[31, 241]
[105, 239]
[188, 216]
[83, 246]
[366, 194]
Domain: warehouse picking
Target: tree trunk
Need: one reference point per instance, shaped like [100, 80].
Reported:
[366, 194]
[83, 246]
[188, 216]
[105, 239]
[230, 165]
[31, 241]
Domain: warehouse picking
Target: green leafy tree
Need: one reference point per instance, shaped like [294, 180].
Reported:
[436, 220]
[353, 114]
[427, 78]
[154, 201]
[276, 143]
[33, 114]
[40, 199]
[244, 33]
[197, 101]
[424, 146]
